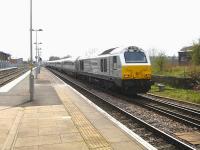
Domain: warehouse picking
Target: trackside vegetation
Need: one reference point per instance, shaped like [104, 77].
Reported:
[169, 66]
[179, 94]
[177, 71]
[196, 53]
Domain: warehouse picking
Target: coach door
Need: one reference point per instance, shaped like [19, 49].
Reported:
[82, 65]
[114, 62]
[114, 66]
[104, 66]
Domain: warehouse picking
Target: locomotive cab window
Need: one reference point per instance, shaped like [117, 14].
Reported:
[135, 57]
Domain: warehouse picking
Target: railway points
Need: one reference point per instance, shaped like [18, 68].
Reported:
[58, 118]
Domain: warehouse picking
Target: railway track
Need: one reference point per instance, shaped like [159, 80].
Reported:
[8, 75]
[183, 113]
[153, 135]
[176, 102]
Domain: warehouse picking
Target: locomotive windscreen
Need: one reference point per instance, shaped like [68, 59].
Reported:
[135, 57]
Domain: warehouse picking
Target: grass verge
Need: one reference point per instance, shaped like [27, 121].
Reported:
[176, 71]
[180, 94]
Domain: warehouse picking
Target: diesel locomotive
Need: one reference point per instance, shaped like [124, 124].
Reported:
[126, 68]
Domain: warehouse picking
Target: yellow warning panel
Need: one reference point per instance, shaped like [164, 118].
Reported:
[90, 134]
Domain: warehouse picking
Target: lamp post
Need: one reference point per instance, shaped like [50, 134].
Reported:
[39, 52]
[31, 77]
[36, 30]
[36, 48]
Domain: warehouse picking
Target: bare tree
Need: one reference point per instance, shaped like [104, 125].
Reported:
[153, 52]
[91, 52]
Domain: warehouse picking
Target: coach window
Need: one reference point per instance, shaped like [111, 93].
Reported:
[81, 65]
[105, 65]
[101, 65]
[114, 62]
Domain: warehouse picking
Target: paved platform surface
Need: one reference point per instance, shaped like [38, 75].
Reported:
[57, 119]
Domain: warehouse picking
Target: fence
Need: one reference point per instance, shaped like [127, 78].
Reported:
[7, 64]
[186, 83]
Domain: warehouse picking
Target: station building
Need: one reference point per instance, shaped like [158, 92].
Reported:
[184, 55]
[4, 59]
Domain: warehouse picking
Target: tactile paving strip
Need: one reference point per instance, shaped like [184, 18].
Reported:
[90, 134]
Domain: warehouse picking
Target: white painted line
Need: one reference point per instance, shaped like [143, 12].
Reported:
[11, 84]
[119, 124]
[7, 68]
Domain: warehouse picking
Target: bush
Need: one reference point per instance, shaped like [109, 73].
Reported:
[194, 73]
[196, 53]
[160, 61]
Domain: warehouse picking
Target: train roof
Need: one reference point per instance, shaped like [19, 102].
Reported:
[70, 59]
[65, 59]
[114, 51]
[52, 61]
[119, 50]
[108, 52]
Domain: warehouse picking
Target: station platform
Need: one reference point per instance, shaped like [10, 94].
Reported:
[59, 118]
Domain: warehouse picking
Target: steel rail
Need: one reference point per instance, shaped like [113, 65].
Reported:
[171, 104]
[7, 72]
[181, 117]
[184, 119]
[172, 140]
[12, 75]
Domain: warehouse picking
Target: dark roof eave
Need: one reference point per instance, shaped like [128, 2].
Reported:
[5, 53]
[187, 48]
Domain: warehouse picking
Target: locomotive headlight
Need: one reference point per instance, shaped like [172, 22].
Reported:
[148, 75]
[127, 75]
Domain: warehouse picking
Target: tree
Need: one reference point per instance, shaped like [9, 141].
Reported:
[196, 53]
[152, 54]
[160, 60]
[53, 58]
[68, 56]
[91, 52]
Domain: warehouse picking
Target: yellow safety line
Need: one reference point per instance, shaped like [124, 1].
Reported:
[90, 134]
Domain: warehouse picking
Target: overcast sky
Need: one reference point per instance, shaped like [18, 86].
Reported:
[77, 26]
